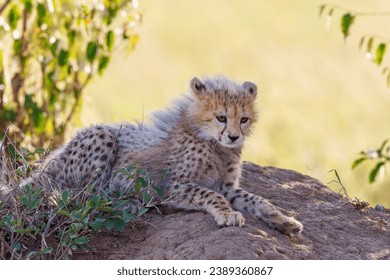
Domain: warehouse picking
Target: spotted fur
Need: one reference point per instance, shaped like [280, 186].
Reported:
[199, 138]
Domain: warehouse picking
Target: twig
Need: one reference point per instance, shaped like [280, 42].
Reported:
[2, 88]
[51, 140]
[379, 37]
[79, 89]
[21, 155]
[5, 138]
[3, 156]
[51, 218]
[4, 244]
[2, 8]
[354, 12]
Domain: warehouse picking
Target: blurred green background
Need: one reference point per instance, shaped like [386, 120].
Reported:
[321, 102]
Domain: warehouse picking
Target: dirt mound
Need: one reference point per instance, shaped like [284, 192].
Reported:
[333, 227]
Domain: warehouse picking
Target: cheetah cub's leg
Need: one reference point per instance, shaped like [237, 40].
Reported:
[261, 208]
[194, 197]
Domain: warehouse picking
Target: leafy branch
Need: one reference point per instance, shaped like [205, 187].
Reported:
[373, 46]
[380, 156]
[49, 52]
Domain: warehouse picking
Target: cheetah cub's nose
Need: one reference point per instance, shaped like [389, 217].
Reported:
[233, 138]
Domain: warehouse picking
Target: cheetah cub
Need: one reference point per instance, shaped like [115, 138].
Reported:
[200, 138]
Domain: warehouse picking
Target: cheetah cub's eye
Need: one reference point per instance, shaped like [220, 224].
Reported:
[244, 119]
[221, 119]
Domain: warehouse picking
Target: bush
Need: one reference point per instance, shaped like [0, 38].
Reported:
[49, 51]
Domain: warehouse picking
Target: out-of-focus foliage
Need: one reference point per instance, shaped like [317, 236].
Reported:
[49, 51]
[374, 48]
[380, 156]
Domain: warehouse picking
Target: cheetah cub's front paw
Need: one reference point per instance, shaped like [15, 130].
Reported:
[229, 218]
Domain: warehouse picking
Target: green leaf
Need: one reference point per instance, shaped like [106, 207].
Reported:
[112, 11]
[92, 48]
[140, 183]
[144, 183]
[119, 225]
[96, 225]
[77, 227]
[13, 16]
[63, 213]
[109, 224]
[357, 162]
[39, 151]
[127, 217]
[105, 209]
[47, 250]
[115, 214]
[28, 5]
[346, 22]
[110, 39]
[94, 202]
[29, 103]
[76, 215]
[380, 52]
[65, 196]
[53, 47]
[38, 119]
[121, 203]
[142, 211]
[9, 115]
[63, 57]
[23, 231]
[103, 63]
[80, 240]
[159, 192]
[17, 246]
[30, 199]
[41, 12]
[34, 204]
[374, 172]
[72, 37]
[146, 197]
[17, 47]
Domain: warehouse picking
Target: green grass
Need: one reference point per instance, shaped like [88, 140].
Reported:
[321, 101]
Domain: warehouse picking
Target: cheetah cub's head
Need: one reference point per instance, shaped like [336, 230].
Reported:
[223, 110]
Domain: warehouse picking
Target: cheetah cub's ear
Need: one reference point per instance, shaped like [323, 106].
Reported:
[198, 88]
[250, 88]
